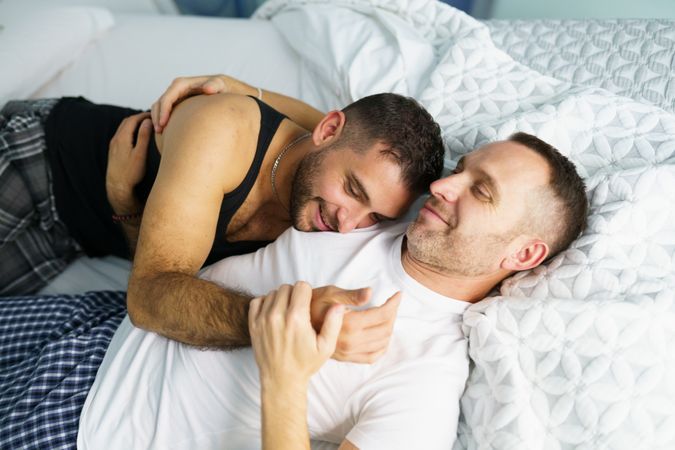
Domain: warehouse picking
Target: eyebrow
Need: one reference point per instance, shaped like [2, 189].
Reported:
[361, 192]
[486, 178]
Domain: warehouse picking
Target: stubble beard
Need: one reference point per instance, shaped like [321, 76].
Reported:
[453, 253]
[302, 189]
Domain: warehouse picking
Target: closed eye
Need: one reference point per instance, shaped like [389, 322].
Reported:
[481, 193]
[377, 218]
[349, 189]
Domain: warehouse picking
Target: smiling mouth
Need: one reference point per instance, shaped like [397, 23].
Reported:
[323, 223]
[433, 213]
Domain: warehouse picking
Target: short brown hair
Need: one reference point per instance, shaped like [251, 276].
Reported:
[409, 132]
[567, 188]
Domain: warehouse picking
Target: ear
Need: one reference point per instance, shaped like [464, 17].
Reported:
[329, 128]
[529, 253]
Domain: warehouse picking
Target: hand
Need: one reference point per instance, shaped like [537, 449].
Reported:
[365, 334]
[126, 162]
[287, 349]
[184, 87]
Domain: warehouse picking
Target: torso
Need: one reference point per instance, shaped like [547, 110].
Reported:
[78, 134]
[421, 377]
[258, 218]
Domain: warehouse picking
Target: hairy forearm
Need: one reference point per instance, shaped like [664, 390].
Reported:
[284, 415]
[186, 309]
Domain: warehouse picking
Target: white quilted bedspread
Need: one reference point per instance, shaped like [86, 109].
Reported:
[579, 353]
[630, 57]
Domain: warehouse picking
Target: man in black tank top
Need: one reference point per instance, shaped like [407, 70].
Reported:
[228, 174]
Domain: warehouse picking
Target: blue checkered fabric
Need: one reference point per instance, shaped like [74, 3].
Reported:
[50, 350]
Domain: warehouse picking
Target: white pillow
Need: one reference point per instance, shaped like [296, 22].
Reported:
[349, 53]
[38, 40]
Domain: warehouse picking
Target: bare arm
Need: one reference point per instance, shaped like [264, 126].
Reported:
[184, 87]
[288, 351]
[202, 159]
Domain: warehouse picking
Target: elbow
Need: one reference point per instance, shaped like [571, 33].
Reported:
[139, 307]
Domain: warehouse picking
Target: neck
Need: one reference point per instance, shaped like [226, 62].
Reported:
[466, 288]
[287, 166]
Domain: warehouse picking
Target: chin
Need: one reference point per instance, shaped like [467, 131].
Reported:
[301, 222]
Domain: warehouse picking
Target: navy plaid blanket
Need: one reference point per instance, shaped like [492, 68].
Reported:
[50, 350]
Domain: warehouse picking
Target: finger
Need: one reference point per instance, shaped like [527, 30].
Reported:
[361, 358]
[253, 311]
[327, 338]
[350, 343]
[282, 299]
[166, 103]
[141, 147]
[154, 114]
[213, 85]
[384, 314]
[176, 91]
[267, 303]
[127, 128]
[352, 297]
[301, 299]
[132, 121]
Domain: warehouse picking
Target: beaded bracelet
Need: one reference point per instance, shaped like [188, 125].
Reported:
[121, 218]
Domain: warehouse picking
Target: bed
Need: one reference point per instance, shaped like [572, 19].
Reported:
[575, 354]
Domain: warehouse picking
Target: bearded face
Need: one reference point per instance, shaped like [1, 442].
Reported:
[339, 189]
[455, 251]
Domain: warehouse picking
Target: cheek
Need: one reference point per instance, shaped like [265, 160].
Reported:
[330, 190]
[365, 223]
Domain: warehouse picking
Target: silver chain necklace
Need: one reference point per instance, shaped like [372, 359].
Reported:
[276, 165]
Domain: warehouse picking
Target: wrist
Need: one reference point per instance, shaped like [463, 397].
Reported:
[123, 201]
[284, 386]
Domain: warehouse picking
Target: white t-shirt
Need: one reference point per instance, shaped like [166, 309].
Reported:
[154, 393]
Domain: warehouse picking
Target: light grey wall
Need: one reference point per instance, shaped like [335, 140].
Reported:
[574, 9]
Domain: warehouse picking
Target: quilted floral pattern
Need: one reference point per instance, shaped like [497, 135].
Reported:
[633, 58]
[578, 353]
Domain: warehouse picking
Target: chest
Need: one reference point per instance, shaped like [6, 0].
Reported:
[256, 220]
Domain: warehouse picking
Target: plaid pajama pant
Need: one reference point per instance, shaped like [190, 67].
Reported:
[34, 244]
[50, 350]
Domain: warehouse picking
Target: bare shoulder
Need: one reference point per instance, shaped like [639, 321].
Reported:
[235, 107]
[220, 130]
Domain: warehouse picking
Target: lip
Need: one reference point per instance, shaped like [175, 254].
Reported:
[318, 220]
[429, 211]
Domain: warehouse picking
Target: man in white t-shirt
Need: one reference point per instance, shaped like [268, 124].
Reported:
[507, 207]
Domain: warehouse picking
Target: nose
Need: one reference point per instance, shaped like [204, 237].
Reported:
[349, 219]
[448, 188]
[346, 221]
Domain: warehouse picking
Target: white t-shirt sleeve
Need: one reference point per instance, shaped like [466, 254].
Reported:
[415, 408]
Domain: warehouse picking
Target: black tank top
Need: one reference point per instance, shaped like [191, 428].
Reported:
[78, 133]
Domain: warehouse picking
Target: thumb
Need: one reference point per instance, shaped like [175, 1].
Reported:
[327, 338]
